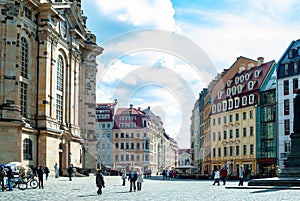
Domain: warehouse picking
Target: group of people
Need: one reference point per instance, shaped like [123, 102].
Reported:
[135, 177]
[9, 174]
[222, 174]
[168, 174]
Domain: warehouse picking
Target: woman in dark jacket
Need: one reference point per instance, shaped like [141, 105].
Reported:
[100, 182]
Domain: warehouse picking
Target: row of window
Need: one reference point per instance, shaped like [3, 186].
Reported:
[131, 157]
[243, 78]
[104, 126]
[130, 118]
[233, 151]
[237, 133]
[24, 73]
[132, 135]
[286, 86]
[131, 145]
[233, 103]
[230, 118]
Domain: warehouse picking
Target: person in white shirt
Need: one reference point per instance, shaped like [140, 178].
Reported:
[216, 177]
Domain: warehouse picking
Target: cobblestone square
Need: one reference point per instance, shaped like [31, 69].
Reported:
[84, 188]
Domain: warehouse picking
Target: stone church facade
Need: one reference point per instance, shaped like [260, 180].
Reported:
[47, 84]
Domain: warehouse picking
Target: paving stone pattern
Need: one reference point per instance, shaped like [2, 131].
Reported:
[84, 188]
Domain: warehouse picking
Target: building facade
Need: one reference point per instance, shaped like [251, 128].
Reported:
[47, 83]
[288, 76]
[139, 140]
[234, 116]
[105, 124]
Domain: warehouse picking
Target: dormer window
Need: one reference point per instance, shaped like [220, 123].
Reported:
[220, 94]
[240, 88]
[291, 53]
[233, 90]
[242, 78]
[236, 102]
[250, 85]
[213, 108]
[251, 99]
[244, 100]
[247, 76]
[230, 104]
[219, 107]
[237, 80]
[228, 91]
[257, 73]
[229, 83]
[224, 105]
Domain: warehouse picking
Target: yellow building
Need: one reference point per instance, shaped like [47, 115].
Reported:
[47, 84]
[234, 115]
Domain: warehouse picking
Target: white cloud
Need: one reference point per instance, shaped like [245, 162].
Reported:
[263, 29]
[157, 13]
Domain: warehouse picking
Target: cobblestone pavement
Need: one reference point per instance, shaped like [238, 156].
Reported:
[84, 188]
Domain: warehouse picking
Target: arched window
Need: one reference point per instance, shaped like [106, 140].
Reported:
[24, 57]
[27, 149]
[60, 73]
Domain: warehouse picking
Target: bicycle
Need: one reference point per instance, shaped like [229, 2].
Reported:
[33, 182]
[16, 182]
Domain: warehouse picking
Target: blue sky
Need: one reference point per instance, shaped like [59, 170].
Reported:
[161, 53]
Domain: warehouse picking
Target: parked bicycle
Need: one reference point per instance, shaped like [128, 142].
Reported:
[33, 182]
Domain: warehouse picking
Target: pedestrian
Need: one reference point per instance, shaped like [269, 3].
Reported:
[100, 182]
[241, 176]
[9, 175]
[139, 180]
[47, 171]
[40, 174]
[216, 177]
[224, 174]
[167, 174]
[2, 176]
[70, 172]
[56, 170]
[123, 177]
[132, 177]
[164, 174]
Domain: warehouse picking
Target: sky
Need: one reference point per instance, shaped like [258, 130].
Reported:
[162, 53]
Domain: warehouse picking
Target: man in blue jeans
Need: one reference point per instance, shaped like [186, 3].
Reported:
[9, 175]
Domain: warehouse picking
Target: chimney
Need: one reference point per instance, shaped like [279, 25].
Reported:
[116, 101]
[131, 106]
[139, 108]
[148, 107]
[260, 60]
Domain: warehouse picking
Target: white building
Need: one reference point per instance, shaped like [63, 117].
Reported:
[287, 85]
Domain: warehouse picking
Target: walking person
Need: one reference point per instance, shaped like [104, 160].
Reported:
[100, 182]
[241, 176]
[47, 171]
[70, 172]
[224, 173]
[123, 177]
[216, 177]
[40, 174]
[56, 170]
[139, 180]
[9, 175]
[2, 176]
[132, 177]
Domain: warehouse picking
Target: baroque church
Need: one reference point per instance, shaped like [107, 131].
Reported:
[47, 84]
